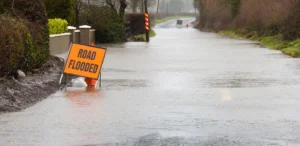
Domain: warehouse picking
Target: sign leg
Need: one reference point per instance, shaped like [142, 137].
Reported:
[100, 80]
[61, 77]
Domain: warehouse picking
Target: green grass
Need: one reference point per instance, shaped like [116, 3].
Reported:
[232, 33]
[157, 21]
[142, 37]
[291, 48]
[274, 42]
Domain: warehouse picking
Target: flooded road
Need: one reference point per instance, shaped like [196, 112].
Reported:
[185, 87]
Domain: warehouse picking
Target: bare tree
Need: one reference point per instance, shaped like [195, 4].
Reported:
[157, 7]
[112, 4]
[134, 5]
[118, 6]
[141, 4]
[123, 6]
[78, 7]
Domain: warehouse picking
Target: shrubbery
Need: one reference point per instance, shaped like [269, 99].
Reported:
[137, 23]
[267, 17]
[24, 37]
[63, 9]
[274, 23]
[109, 26]
[12, 43]
[291, 26]
[57, 26]
[233, 5]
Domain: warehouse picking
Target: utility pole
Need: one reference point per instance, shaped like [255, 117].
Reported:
[147, 21]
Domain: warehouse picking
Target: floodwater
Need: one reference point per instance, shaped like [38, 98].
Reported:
[185, 87]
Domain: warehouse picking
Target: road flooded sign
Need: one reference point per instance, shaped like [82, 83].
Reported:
[85, 61]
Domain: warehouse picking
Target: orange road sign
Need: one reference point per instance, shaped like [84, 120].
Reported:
[85, 61]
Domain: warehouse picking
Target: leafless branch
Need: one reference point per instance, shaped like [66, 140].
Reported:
[112, 4]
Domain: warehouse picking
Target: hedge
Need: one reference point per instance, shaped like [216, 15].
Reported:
[63, 9]
[57, 26]
[12, 49]
[109, 26]
[24, 37]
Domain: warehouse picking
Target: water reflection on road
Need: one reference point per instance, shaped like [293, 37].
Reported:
[184, 87]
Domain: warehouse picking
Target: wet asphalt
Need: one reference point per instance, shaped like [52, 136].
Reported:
[184, 88]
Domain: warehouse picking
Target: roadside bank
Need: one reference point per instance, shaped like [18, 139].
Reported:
[277, 42]
[142, 37]
[275, 24]
[17, 94]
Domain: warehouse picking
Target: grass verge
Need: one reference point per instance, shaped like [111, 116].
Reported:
[142, 37]
[291, 48]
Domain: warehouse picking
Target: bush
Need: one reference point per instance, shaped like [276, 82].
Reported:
[12, 44]
[24, 42]
[57, 26]
[63, 9]
[214, 14]
[142, 37]
[1, 6]
[234, 6]
[18, 51]
[36, 22]
[268, 14]
[109, 26]
[291, 29]
[137, 23]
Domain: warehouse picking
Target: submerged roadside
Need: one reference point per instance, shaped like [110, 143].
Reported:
[277, 42]
[17, 94]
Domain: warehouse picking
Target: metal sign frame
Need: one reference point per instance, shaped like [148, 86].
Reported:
[65, 75]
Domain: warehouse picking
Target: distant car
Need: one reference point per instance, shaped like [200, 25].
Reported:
[179, 22]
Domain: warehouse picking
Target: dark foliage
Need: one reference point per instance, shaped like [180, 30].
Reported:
[63, 9]
[24, 39]
[137, 23]
[266, 18]
[109, 26]
[291, 27]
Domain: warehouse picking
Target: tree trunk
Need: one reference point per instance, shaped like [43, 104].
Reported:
[157, 8]
[112, 5]
[77, 18]
[134, 6]
[122, 8]
[134, 9]
[142, 6]
[77, 7]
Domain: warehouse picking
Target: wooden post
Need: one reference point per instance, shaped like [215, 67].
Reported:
[147, 23]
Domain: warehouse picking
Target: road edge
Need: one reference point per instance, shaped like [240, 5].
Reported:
[19, 94]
